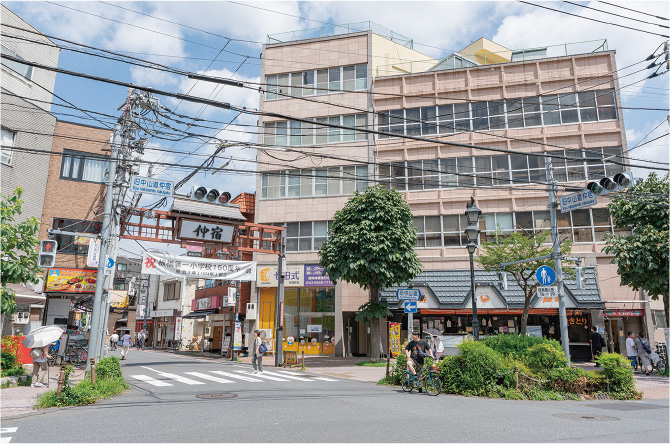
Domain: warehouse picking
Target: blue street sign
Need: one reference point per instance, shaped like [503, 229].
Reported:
[110, 262]
[575, 201]
[408, 294]
[545, 275]
[410, 307]
[141, 184]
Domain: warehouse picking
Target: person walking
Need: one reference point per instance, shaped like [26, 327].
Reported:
[40, 356]
[257, 356]
[597, 344]
[141, 337]
[126, 342]
[631, 349]
[113, 340]
[643, 353]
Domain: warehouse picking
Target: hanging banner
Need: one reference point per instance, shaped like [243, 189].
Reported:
[394, 338]
[196, 267]
[237, 339]
[118, 298]
[93, 253]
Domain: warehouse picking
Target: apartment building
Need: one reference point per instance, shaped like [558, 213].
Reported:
[558, 101]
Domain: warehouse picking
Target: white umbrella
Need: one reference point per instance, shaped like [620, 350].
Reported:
[42, 336]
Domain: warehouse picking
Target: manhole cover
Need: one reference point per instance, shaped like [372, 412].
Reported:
[216, 395]
[585, 417]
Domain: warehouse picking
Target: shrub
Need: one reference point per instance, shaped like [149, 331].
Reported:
[544, 357]
[8, 360]
[108, 368]
[574, 380]
[619, 374]
[516, 346]
[474, 371]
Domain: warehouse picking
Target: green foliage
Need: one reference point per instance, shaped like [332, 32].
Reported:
[642, 258]
[516, 247]
[372, 310]
[396, 371]
[11, 357]
[8, 360]
[371, 364]
[543, 357]
[619, 374]
[516, 346]
[575, 380]
[18, 244]
[474, 371]
[108, 368]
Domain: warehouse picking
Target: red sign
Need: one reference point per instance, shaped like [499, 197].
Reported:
[615, 313]
[205, 303]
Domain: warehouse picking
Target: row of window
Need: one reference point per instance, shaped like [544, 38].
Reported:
[332, 181]
[291, 133]
[317, 82]
[588, 106]
[74, 166]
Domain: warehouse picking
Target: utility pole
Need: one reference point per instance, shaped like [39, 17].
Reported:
[553, 204]
[279, 308]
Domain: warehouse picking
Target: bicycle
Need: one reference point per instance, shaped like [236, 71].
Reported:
[661, 366]
[429, 375]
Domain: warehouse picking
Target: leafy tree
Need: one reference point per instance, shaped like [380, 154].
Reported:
[371, 243]
[19, 249]
[642, 258]
[517, 247]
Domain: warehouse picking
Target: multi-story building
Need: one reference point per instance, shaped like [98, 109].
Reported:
[561, 101]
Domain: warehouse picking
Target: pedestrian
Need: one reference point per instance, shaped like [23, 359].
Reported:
[597, 344]
[631, 349]
[643, 353]
[113, 340]
[40, 356]
[257, 356]
[437, 346]
[141, 337]
[126, 342]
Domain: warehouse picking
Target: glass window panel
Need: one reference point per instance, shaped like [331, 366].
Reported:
[479, 109]
[322, 81]
[445, 112]
[569, 116]
[452, 239]
[306, 179]
[305, 244]
[536, 162]
[532, 119]
[361, 122]
[466, 172]
[608, 113]
[361, 177]
[489, 223]
[349, 78]
[581, 218]
[531, 105]
[563, 220]
[334, 133]
[414, 175]
[524, 220]
[307, 133]
[483, 164]
[333, 181]
[514, 106]
[398, 181]
[318, 241]
[76, 165]
[296, 84]
[600, 233]
[305, 229]
[271, 92]
[348, 182]
[433, 224]
[433, 240]
[66, 166]
[497, 122]
[282, 82]
[461, 111]
[292, 229]
[296, 133]
[269, 134]
[568, 100]
[588, 114]
[519, 161]
[429, 113]
[308, 82]
[281, 132]
[587, 99]
[334, 79]
[550, 103]
[294, 183]
[500, 162]
[552, 118]
[362, 71]
[450, 224]
[291, 244]
[542, 220]
[397, 117]
[350, 121]
[320, 182]
[462, 125]
[605, 97]
[504, 221]
[417, 222]
[321, 131]
[583, 235]
[519, 177]
[480, 124]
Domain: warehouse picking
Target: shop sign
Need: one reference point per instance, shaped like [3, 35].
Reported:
[191, 229]
[118, 299]
[617, 313]
[237, 339]
[316, 277]
[162, 313]
[71, 280]
[291, 358]
[314, 328]
[577, 320]
[177, 328]
[394, 338]
[195, 267]
[141, 310]
[205, 303]
[294, 276]
[230, 297]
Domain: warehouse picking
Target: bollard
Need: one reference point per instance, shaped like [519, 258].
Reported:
[516, 377]
[92, 370]
[303, 360]
[61, 380]
[388, 363]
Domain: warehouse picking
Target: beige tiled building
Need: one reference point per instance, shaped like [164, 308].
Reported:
[522, 101]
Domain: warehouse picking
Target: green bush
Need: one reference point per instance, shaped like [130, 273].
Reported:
[574, 380]
[544, 357]
[8, 360]
[108, 368]
[619, 374]
[474, 371]
[516, 346]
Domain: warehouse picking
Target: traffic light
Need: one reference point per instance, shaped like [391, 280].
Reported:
[581, 277]
[607, 185]
[502, 280]
[210, 195]
[47, 255]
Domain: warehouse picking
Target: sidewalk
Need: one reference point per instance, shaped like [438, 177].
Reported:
[20, 400]
[652, 387]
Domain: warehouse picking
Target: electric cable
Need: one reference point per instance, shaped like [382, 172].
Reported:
[634, 10]
[616, 15]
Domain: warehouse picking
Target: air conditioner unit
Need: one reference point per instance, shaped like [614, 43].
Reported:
[251, 311]
[266, 333]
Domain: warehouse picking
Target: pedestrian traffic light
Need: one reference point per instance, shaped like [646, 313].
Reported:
[210, 195]
[47, 254]
[607, 185]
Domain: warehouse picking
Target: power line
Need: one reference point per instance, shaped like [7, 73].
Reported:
[615, 14]
[634, 10]
[592, 19]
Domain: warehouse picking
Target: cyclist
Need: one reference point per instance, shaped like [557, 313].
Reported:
[416, 351]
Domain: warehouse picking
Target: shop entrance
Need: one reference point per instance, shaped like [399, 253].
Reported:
[217, 336]
[615, 335]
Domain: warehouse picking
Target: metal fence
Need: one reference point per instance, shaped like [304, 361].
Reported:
[347, 28]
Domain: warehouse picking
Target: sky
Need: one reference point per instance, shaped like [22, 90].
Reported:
[224, 39]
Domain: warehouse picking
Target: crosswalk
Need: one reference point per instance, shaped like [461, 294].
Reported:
[3, 430]
[164, 379]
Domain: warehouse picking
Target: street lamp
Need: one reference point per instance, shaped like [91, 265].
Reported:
[472, 212]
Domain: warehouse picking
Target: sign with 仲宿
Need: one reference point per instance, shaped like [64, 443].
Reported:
[196, 267]
[141, 184]
[576, 201]
[191, 229]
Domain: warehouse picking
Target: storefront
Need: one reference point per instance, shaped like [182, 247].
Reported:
[617, 325]
[206, 332]
[164, 327]
[308, 312]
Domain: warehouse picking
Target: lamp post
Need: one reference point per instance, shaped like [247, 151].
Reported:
[472, 212]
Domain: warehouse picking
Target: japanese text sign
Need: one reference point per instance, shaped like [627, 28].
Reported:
[575, 201]
[191, 229]
[140, 184]
[195, 267]
[315, 276]
[293, 276]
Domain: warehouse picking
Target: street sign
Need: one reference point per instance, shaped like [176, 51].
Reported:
[408, 294]
[109, 266]
[547, 292]
[545, 275]
[194, 253]
[410, 307]
[141, 184]
[575, 201]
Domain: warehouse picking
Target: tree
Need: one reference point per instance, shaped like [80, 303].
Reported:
[371, 243]
[516, 247]
[19, 249]
[642, 258]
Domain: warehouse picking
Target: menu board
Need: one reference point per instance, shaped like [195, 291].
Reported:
[71, 280]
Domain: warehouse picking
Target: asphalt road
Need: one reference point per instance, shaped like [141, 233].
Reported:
[163, 406]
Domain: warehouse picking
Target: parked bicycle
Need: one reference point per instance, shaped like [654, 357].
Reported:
[188, 344]
[429, 376]
[661, 366]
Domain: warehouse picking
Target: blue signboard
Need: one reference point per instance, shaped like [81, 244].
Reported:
[576, 201]
[408, 294]
[140, 184]
[410, 307]
[545, 275]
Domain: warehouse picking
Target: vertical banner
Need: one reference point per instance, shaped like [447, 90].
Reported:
[232, 294]
[237, 339]
[177, 328]
[394, 338]
[93, 255]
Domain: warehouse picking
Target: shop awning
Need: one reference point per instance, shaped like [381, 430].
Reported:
[199, 314]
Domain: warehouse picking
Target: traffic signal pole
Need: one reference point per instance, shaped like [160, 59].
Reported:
[553, 204]
[279, 308]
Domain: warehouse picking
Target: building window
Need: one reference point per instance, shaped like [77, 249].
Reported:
[171, 291]
[331, 181]
[659, 319]
[306, 236]
[292, 133]
[7, 143]
[121, 267]
[317, 82]
[74, 244]
[24, 71]
[119, 286]
[76, 165]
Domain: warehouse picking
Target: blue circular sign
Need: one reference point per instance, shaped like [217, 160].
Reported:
[545, 275]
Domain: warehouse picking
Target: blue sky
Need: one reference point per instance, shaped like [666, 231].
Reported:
[438, 28]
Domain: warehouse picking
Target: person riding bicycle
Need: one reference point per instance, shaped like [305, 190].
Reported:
[417, 350]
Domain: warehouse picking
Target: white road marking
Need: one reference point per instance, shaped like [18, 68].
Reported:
[209, 377]
[265, 376]
[8, 429]
[232, 375]
[149, 368]
[321, 378]
[152, 381]
[291, 376]
[181, 379]
[5, 440]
